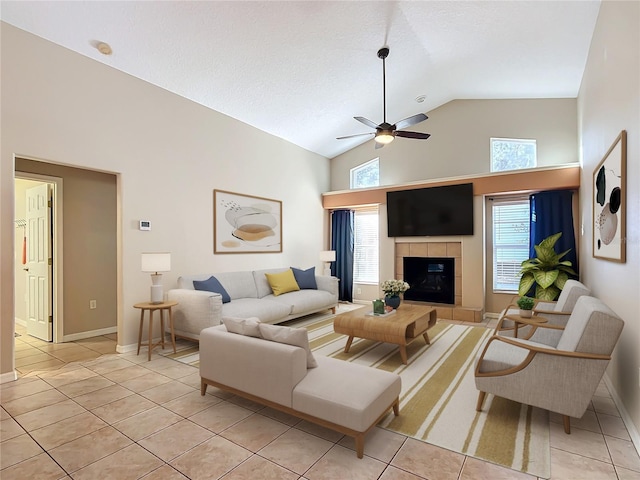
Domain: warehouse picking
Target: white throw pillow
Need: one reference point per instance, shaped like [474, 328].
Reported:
[297, 337]
[243, 326]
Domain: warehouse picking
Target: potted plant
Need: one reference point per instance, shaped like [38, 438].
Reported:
[526, 306]
[547, 271]
[392, 290]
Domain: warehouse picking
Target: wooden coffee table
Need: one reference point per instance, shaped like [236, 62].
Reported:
[408, 323]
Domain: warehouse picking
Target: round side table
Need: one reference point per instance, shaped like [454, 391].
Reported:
[151, 308]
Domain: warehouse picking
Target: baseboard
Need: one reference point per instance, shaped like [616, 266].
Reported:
[126, 348]
[21, 322]
[626, 418]
[92, 333]
[134, 346]
[8, 377]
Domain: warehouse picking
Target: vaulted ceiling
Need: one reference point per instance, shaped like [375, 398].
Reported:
[301, 70]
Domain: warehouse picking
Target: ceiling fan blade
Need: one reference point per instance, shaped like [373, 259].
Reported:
[407, 122]
[356, 135]
[367, 122]
[418, 135]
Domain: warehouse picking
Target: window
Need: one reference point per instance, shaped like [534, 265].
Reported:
[510, 241]
[512, 154]
[366, 175]
[365, 248]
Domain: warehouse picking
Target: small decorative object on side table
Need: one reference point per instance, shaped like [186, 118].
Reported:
[526, 306]
[392, 290]
[152, 307]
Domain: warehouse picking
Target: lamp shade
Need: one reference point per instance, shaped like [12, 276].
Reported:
[156, 262]
[328, 256]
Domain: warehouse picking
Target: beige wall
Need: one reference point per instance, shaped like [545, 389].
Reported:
[459, 144]
[169, 155]
[89, 245]
[609, 101]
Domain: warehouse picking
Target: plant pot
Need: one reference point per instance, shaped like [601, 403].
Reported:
[392, 301]
[526, 313]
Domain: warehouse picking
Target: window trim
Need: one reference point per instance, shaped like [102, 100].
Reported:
[373, 211]
[528, 141]
[513, 199]
[362, 166]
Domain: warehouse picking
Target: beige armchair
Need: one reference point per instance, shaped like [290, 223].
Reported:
[554, 313]
[561, 378]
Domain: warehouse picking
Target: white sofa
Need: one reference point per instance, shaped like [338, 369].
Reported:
[343, 396]
[251, 296]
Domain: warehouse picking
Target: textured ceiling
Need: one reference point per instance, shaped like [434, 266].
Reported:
[302, 70]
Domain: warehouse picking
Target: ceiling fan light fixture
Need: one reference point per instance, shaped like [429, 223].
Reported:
[384, 137]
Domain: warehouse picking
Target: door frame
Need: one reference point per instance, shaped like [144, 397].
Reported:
[57, 251]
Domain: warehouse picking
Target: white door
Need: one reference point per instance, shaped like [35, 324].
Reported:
[39, 263]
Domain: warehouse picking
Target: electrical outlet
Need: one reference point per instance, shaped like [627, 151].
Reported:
[92, 304]
[358, 291]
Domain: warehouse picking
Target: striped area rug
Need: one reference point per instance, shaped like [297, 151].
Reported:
[438, 398]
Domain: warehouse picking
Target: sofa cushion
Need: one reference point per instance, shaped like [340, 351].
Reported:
[304, 301]
[266, 310]
[238, 284]
[212, 285]
[306, 279]
[283, 282]
[261, 283]
[348, 394]
[291, 336]
[243, 326]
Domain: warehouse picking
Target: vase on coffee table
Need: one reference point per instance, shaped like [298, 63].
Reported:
[392, 301]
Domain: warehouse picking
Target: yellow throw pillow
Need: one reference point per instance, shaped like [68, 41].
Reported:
[283, 282]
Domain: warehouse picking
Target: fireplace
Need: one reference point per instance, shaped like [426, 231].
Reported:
[431, 279]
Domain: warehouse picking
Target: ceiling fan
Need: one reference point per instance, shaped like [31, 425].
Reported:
[385, 132]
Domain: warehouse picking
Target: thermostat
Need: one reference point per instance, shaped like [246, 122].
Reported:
[145, 225]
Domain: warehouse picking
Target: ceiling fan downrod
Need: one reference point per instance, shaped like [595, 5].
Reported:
[383, 53]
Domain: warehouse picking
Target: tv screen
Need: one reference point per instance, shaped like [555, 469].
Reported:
[435, 211]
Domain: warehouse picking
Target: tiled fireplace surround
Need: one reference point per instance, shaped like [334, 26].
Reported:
[440, 249]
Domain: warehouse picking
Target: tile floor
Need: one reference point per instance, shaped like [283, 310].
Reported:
[81, 411]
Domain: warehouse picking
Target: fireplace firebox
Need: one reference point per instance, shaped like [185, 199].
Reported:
[431, 279]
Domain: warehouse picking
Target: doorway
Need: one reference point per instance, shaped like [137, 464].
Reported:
[38, 255]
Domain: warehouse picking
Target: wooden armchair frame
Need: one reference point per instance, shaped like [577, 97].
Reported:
[533, 350]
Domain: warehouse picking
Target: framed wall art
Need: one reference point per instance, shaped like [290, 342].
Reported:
[609, 203]
[246, 224]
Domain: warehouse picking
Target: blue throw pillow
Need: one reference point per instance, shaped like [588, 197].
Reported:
[306, 278]
[212, 285]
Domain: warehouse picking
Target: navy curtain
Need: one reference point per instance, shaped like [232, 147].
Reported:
[342, 243]
[552, 212]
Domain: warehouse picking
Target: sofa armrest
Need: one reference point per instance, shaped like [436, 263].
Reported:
[330, 284]
[195, 311]
[269, 370]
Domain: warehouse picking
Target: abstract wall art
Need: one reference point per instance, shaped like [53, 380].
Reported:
[246, 224]
[609, 203]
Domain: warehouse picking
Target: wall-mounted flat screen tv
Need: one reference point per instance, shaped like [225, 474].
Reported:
[435, 211]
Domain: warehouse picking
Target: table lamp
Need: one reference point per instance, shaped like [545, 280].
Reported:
[155, 263]
[327, 257]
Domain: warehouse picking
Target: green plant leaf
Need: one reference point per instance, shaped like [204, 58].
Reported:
[561, 280]
[550, 241]
[526, 282]
[546, 279]
[547, 294]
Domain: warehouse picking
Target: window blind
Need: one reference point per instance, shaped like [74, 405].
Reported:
[365, 262]
[510, 241]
